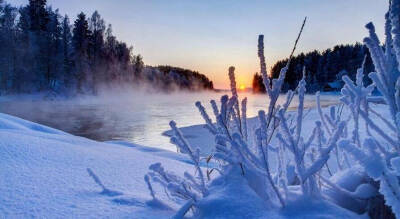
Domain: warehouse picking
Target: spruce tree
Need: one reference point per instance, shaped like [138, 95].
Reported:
[80, 43]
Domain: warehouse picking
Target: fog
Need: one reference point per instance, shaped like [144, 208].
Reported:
[134, 115]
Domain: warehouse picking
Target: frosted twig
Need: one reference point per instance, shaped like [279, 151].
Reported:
[297, 39]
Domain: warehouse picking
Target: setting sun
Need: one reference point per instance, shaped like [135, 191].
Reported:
[242, 87]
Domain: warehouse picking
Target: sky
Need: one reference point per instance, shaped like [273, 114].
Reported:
[210, 35]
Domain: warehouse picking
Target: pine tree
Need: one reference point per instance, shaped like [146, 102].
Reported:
[138, 66]
[54, 52]
[110, 54]
[80, 43]
[258, 85]
[97, 28]
[38, 24]
[8, 45]
[38, 15]
[66, 38]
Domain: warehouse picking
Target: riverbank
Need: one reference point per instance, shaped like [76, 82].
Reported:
[43, 173]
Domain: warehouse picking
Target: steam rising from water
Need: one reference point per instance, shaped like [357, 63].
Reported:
[131, 115]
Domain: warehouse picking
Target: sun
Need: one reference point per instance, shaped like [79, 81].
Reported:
[242, 87]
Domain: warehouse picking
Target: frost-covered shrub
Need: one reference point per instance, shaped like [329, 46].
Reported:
[379, 152]
[302, 161]
[189, 188]
[299, 146]
[300, 158]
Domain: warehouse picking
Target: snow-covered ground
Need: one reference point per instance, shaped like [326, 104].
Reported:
[43, 173]
[201, 138]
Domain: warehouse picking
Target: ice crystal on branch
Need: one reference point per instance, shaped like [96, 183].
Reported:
[377, 160]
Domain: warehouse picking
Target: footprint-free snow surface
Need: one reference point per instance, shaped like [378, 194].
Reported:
[43, 173]
[46, 173]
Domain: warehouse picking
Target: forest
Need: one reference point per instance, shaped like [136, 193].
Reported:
[43, 51]
[324, 70]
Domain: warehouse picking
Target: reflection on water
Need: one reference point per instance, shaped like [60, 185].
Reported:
[133, 116]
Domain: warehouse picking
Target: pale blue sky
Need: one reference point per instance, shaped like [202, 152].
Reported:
[211, 35]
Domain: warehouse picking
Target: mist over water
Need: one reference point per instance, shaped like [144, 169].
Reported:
[128, 115]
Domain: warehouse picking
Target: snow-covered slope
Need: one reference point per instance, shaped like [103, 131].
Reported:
[43, 173]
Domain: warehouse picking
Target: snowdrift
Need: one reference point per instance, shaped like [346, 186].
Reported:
[43, 173]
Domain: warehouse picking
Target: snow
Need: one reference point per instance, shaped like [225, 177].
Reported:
[231, 196]
[342, 179]
[201, 138]
[44, 173]
[349, 188]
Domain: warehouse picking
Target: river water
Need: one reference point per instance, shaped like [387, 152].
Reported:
[136, 117]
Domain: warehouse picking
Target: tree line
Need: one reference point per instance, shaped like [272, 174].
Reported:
[40, 50]
[324, 70]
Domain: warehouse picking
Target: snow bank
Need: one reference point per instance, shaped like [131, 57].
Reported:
[43, 173]
[231, 196]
